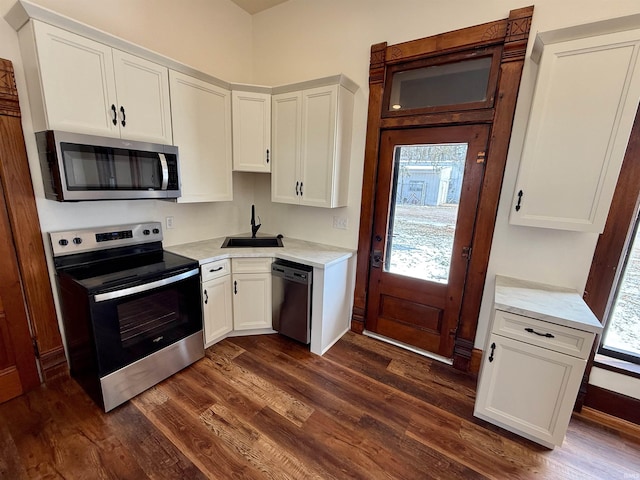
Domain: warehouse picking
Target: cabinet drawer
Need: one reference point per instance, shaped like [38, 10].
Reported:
[216, 269]
[576, 343]
[251, 265]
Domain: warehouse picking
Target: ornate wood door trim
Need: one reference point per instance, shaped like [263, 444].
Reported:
[25, 228]
[511, 34]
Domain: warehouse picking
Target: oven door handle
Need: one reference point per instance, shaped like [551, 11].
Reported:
[102, 297]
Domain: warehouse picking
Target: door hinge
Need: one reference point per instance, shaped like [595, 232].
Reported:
[481, 157]
[466, 252]
[36, 351]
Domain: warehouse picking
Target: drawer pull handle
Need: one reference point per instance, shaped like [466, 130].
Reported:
[493, 349]
[548, 335]
[206, 297]
[235, 288]
[215, 269]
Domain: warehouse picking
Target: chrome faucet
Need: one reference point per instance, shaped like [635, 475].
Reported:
[254, 227]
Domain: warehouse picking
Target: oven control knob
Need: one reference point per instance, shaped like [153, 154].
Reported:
[156, 231]
[146, 232]
[77, 240]
[63, 242]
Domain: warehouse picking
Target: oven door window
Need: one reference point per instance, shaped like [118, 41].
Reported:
[129, 328]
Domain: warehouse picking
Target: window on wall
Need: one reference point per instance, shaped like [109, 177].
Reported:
[621, 337]
[613, 286]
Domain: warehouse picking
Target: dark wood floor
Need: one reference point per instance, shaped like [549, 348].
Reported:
[264, 407]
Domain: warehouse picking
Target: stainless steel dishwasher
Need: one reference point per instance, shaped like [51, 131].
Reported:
[291, 286]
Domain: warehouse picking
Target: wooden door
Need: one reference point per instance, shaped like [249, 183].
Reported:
[428, 186]
[18, 370]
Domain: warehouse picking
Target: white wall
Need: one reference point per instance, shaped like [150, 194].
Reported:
[214, 36]
[303, 39]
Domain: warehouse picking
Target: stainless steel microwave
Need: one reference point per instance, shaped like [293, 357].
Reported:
[79, 167]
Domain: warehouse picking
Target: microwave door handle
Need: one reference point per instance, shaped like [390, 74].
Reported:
[165, 171]
[101, 297]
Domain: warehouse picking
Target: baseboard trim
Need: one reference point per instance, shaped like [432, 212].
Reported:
[476, 361]
[613, 403]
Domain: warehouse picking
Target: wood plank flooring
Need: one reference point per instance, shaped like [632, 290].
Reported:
[264, 407]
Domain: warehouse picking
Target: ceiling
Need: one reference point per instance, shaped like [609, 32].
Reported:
[256, 6]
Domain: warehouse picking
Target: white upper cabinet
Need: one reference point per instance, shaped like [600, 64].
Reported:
[143, 98]
[251, 131]
[80, 85]
[311, 146]
[584, 105]
[201, 115]
[287, 137]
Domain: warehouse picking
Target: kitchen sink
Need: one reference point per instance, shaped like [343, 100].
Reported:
[233, 242]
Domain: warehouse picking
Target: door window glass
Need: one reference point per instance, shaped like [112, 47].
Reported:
[437, 85]
[427, 181]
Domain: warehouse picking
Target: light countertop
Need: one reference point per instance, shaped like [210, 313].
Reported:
[314, 254]
[549, 303]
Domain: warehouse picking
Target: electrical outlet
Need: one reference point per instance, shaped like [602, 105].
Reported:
[169, 222]
[340, 222]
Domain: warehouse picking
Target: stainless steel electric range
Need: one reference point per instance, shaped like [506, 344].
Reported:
[131, 311]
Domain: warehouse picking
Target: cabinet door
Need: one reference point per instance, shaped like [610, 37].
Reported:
[251, 301]
[286, 137]
[585, 100]
[528, 390]
[217, 309]
[251, 131]
[77, 82]
[318, 145]
[143, 99]
[202, 132]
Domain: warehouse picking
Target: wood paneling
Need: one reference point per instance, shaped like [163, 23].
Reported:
[25, 228]
[609, 249]
[265, 407]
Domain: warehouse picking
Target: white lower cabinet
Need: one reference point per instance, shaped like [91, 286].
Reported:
[251, 293]
[216, 301]
[532, 367]
[528, 390]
